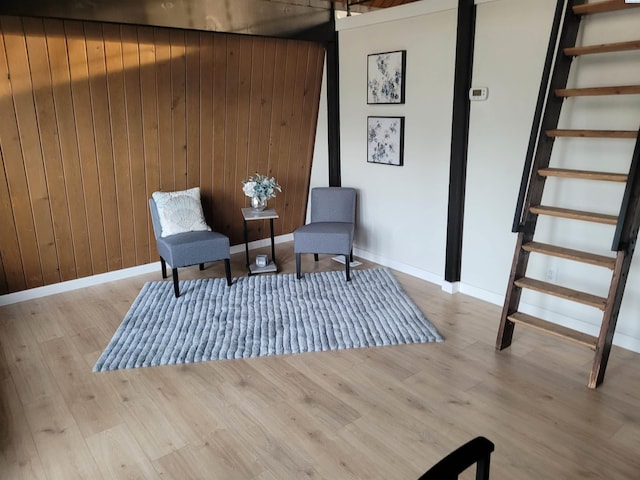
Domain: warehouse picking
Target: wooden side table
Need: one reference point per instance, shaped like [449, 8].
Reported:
[249, 214]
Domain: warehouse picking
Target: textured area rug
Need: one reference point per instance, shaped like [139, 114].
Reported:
[264, 315]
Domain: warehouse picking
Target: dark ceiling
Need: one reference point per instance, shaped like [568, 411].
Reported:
[281, 18]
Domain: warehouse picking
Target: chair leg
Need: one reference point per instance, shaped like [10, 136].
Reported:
[298, 261]
[315, 257]
[163, 265]
[227, 271]
[347, 266]
[176, 287]
[351, 255]
[201, 266]
[483, 467]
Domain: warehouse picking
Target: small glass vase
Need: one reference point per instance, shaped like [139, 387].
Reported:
[258, 204]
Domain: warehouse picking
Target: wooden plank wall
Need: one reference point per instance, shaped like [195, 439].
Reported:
[95, 117]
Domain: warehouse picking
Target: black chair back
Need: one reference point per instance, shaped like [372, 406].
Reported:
[476, 451]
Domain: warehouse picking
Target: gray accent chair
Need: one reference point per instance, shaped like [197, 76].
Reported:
[190, 248]
[331, 227]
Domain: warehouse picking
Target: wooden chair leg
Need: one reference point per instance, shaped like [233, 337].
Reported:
[298, 261]
[227, 271]
[163, 265]
[201, 266]
[315, 257]
[176, 287]
[347, 266]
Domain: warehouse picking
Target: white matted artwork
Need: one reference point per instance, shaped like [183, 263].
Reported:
[385, 140]
[385, 77]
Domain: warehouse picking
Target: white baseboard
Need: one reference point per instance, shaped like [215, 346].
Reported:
[265, 242]
[451, 287]
[401, 267]
[70, 285]
[481, 294]
[76, 284]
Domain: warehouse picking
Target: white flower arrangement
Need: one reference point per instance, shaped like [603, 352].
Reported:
[261, 187]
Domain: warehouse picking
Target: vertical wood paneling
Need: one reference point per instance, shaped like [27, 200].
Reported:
[66, 126]
[281, 166]
[253, 152]
[56, 202]
[266, 108]
[12, 273]
[255, 105]
[165, 106]
[4, 286]
[120, 141]
[294, 180]
[16, 185]
[148, 62]
[76, 45]
[231, 132]
[104, 150]
[27, 132]
[133, 102]
[205, 125]
[265, 89]
[244, 109]
[95, 117]
[278, 95]
[292, 159]
[192, 93]
[26, 179]
[179, 108]
[219, 129]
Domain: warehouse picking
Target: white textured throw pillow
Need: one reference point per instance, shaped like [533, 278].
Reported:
[180, 212]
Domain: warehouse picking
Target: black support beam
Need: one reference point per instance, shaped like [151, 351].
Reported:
[459, 138]
[333, 106]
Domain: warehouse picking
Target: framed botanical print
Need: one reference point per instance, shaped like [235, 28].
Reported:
[385, 140]
[385, 77]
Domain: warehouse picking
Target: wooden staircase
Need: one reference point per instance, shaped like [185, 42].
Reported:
[538, 168]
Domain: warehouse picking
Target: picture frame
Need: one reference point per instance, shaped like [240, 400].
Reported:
[386, 77]
[385, 140]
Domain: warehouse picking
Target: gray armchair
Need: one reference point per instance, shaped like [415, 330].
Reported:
[331, 227]
[189, 248]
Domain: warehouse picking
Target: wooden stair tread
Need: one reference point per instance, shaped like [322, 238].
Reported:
[583, 174]
[574, 214]
[602, 48]
[602, 7]
[595, 91]
[570, 254]
[632, 134]
[548, 117]
[554, 329]
[562, 292]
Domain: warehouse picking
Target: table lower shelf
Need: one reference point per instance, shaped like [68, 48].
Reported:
[269, 268]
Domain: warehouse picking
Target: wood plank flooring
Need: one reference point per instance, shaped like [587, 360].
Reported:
[383, 413]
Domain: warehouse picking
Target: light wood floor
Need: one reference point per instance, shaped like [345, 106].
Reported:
[382, 413]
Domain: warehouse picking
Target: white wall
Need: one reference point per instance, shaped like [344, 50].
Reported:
[402, 214]
[499, 133]
[403, 210]
[320, 162]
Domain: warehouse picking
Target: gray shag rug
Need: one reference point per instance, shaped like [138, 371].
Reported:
[264, 315]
